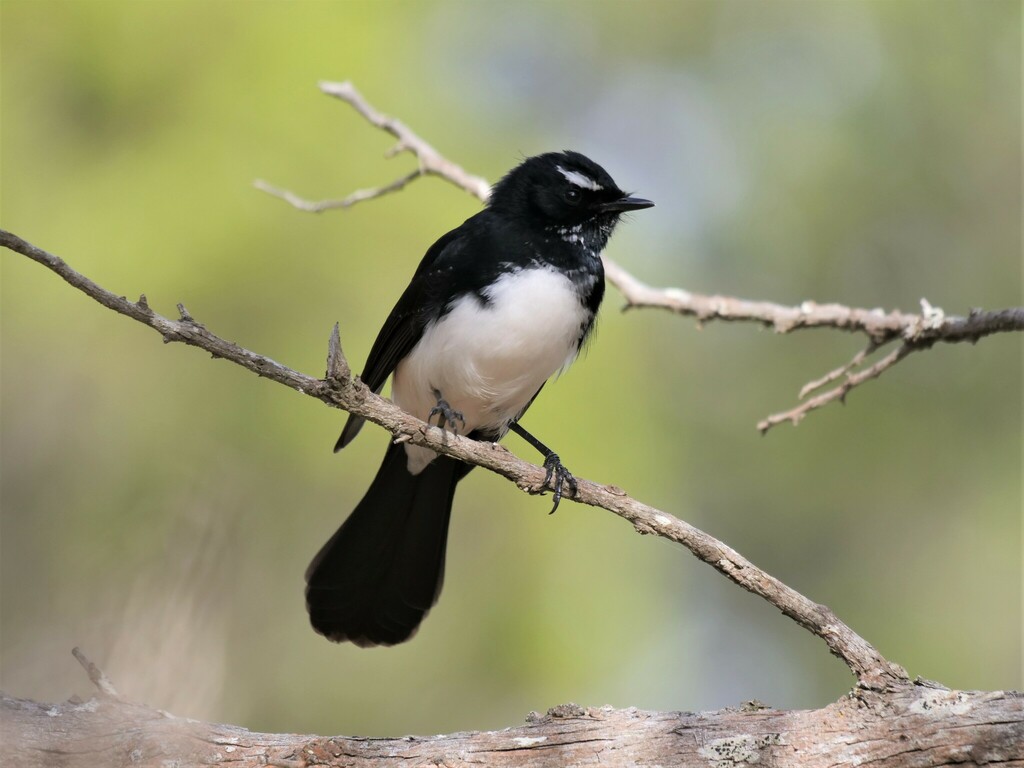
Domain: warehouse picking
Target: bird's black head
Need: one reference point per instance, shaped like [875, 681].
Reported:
[562, 189]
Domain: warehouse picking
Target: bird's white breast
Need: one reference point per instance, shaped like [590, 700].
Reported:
[488, 358]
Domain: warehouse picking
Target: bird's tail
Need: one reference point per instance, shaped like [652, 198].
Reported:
[380, 573]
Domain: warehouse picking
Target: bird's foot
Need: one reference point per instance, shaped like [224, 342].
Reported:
[557, 475]
[445, 414]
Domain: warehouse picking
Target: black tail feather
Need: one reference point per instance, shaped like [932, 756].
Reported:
[380, 573]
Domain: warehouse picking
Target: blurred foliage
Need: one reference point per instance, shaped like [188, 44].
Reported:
[159, 508]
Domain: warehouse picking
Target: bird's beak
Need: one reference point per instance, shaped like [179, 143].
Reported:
[626, 204]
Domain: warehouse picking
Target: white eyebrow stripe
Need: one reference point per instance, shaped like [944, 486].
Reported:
[578, 179]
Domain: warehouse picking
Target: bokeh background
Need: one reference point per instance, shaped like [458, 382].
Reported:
[159, 507]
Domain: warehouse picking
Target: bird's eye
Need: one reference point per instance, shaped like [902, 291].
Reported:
[573, 195]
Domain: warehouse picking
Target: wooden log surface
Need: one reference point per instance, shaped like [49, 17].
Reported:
[911, 725]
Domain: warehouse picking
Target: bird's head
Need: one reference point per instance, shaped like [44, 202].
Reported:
[562, 189]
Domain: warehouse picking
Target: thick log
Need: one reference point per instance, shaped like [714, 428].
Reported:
[913, 725]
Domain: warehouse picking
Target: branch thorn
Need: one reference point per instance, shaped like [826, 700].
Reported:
[337, 366]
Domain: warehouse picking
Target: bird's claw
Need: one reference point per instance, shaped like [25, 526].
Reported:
[556, 475]
[445, 414]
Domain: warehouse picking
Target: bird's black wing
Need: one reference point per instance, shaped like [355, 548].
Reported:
[418, 305]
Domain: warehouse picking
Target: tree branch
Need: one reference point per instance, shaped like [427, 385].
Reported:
[879, 326]
[794, 415]
[319, 206]
[430, 161]
[936, 727]
[339, 389]
[916, 331]
[96, 675]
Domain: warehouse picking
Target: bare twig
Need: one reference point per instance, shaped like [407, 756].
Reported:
[318, 206]
[341, 390]
[839, 393]
[834, 374]
[881, 328]
[875, 323]
[430, 160]
[99, 679]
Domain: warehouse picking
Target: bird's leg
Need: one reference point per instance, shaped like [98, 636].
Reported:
[445, 413]
[556, 473]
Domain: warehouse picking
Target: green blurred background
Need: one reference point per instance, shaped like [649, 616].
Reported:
[159, 508]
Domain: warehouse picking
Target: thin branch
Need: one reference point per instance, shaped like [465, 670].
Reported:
[834, 374]
[431, 162]
[342, 390]
[839, 393]
[879, 326]
[875, 323]
[96, 675]
[918, 331]
[319, 206]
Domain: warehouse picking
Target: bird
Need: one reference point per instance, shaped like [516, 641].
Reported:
[496, 307]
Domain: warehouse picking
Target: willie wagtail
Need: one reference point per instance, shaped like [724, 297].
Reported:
[495, 308]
